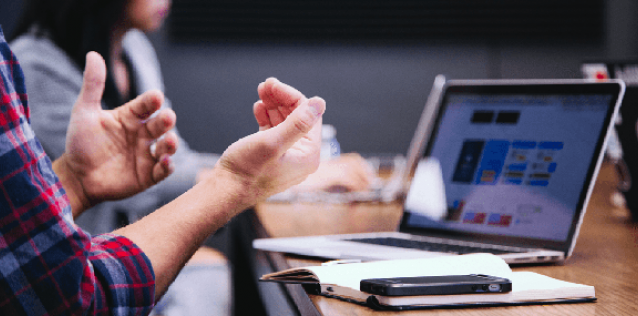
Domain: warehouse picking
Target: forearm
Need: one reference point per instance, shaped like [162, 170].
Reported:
[170, 235]
[189, 166]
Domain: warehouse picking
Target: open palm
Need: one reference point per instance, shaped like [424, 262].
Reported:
[109, 150]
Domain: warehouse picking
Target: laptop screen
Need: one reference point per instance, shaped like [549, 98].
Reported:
[512, 161]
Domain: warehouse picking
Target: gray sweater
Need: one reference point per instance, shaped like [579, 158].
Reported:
[53, 83]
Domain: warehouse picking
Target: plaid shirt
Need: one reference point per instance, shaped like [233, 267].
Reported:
[49, 266]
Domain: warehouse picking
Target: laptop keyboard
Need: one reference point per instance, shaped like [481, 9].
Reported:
[430, 246]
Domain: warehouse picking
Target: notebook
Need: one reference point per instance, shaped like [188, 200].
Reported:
[516, 161]
[344, 282]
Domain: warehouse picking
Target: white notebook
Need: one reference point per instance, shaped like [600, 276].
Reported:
[342, 281]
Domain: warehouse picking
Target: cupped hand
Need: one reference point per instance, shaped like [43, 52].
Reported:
[285, 150]
[350, 172]
[113, 154]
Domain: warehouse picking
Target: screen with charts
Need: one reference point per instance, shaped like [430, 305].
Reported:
[510, 165]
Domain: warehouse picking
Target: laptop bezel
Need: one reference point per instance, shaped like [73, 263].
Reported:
[615, 88]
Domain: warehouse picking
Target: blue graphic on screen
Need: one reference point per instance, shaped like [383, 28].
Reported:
[500, 161]
[468, 161]
[492, 162]
[517, 163]
[521, 175]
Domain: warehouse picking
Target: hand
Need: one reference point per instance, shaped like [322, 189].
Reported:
[107, 154]
[348, 172]
[283, 153]
[285, 150]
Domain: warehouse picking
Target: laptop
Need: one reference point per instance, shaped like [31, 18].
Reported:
[506, 167]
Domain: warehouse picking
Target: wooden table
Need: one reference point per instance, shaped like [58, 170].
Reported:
[606, 256]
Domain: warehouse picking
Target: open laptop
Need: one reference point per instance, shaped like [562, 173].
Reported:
[517, 161]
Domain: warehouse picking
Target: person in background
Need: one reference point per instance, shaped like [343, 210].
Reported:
[51, 40]
[52, 267]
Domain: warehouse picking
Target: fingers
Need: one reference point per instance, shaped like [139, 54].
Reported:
[163, 168]
[304, 120]
[167, 145]
[261, 115]
[276, 116]
[278, 100]
[161, 123]
[277, 94]
[142, 108]
[93, 82]
[164, 149]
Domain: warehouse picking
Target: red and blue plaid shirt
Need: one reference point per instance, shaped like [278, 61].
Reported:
[49, 266]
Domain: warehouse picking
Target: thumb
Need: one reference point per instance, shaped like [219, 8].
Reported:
[93, 82]
[300, 122]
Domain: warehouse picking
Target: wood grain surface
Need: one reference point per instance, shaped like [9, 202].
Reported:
[606, 253]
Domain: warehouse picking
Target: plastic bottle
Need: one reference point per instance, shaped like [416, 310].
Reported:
[330, 147]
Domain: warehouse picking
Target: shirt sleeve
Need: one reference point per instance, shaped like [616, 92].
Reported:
[49, 266]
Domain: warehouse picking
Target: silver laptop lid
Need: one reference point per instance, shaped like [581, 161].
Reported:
[518, 159]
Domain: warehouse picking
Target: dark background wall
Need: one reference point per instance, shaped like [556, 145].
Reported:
[375, 90]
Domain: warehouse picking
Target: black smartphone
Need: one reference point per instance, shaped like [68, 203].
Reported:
[437, 285]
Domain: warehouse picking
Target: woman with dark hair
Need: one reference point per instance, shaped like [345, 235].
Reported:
[52, 40]
[77, 27]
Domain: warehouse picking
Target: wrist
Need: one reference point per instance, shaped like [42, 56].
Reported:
[72, 185]
[235, 191]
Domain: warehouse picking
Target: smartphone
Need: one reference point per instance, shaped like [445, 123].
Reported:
[437, 285]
